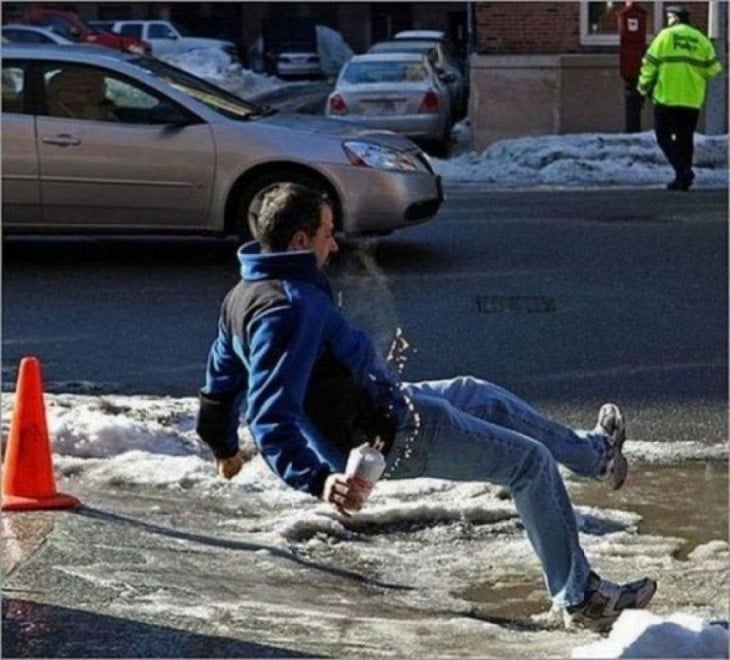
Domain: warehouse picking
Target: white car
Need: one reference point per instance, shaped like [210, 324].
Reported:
[164, 37]
[401, 92]
[443, 57]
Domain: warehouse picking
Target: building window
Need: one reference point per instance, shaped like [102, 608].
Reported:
[599, 21]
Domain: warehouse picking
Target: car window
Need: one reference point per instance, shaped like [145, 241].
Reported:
[131, 30]
[13, 87]
[380, 72]
[160, 31]
[76, 92]
[407, 47]
[25, 36]
[90, 93]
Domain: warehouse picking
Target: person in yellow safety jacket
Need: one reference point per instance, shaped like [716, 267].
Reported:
[674, 74]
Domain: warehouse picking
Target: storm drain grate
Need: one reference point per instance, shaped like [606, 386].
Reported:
[515, 304]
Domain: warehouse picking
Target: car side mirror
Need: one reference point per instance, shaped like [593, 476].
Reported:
[168, 113]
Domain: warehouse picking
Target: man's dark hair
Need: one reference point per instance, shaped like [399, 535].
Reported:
[287, 208]
[680, 11]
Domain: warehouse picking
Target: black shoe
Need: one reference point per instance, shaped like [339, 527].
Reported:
[687, 179]
[682, 181]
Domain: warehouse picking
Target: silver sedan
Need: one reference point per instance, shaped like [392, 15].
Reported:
[107, 141]
[397, 91]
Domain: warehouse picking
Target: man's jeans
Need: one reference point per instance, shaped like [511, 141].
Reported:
[468, 429]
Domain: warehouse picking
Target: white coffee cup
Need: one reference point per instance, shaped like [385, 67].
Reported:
[365, 463]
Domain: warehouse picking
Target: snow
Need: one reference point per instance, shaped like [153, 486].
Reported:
[585, 159]
[151, 441]
[641, 634]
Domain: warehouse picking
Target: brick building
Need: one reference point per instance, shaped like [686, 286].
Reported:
[553, 67]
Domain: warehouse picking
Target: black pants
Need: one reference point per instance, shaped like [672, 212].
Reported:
[675, 128]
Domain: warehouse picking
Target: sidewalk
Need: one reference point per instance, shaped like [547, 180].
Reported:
[148, 573]
[137, 575]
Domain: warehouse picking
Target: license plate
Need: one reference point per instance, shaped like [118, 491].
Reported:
[379, 107]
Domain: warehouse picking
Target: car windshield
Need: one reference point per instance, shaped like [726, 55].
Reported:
[214, 97]
[384, 71]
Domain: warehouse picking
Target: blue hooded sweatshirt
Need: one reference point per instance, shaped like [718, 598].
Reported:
[312, 385]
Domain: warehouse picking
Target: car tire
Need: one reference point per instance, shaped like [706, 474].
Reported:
[251, 193]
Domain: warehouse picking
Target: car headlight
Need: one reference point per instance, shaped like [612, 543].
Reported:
[367, 154]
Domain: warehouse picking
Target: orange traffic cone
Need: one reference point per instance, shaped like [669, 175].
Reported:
[28, 481]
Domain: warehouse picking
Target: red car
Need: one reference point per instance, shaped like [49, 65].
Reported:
[69, 25]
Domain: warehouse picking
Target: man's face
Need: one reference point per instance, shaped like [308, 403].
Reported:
[323, 243]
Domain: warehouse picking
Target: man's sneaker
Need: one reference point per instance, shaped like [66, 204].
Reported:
[604, 601]
[611, 423]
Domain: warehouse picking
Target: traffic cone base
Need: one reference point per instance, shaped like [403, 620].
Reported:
[27, 480]
[58, 501]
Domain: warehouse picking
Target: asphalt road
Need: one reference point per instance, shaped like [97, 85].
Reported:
[569, 297]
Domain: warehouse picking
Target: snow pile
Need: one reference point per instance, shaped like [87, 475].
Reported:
[641, 634]
[588, 158]
[215, 66]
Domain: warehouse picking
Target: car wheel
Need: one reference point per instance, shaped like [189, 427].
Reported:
[250, 198]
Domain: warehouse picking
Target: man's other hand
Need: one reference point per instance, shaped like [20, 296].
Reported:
[346, 493]
[229, 467]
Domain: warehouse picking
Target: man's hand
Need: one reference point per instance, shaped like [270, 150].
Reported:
[346, 493]
[229, 467]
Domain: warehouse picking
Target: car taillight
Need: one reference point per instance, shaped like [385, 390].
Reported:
[338, 105]
[430, 102]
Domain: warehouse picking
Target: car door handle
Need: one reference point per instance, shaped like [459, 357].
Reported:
[63, 140]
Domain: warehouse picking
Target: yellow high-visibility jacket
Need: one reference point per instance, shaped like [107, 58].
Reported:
[677, 66]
